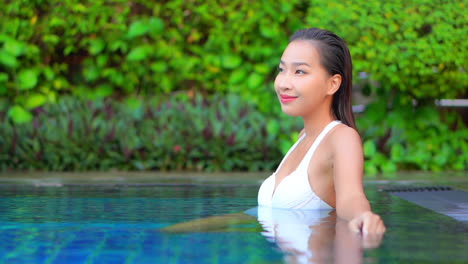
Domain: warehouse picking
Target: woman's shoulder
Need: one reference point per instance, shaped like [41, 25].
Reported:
[343, 136]
[346, 146]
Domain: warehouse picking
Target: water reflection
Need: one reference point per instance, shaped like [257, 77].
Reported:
[313, 236]
[76, 224]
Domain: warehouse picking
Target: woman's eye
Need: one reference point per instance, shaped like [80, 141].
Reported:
[300, 72]
[280, 69]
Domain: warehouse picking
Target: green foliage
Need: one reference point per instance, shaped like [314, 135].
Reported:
[19, 115]
[222, 133]
[412, 138]
[181, 133]
[102, 48]
[413, 48]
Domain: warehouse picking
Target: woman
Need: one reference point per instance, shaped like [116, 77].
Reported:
[324, 168]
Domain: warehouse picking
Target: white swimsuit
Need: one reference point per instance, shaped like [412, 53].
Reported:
[291, 230]
[294, 191]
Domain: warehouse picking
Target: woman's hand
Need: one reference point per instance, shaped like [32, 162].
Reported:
[368, 223]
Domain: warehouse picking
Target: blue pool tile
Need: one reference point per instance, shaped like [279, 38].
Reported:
[24, 259]
[70, 256]
[111, 258]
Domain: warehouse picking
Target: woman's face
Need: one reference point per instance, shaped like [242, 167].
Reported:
[302, 84]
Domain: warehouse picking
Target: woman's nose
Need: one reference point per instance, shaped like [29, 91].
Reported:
[283, 81]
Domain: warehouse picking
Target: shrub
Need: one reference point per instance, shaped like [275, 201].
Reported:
[413, 138]
[415, 49]
[103, 48]
[182, 133]
[219, 133]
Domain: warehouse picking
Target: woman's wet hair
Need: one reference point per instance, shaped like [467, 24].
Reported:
[336, 59]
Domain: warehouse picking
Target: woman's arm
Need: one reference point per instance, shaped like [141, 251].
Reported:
[217, 223]
[351, 201]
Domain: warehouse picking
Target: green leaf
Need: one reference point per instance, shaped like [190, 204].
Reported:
[79, 8]
[370, 169]
[48, 73]
[13, 47]
[230, 61]
[138, 28]
[273, 127]
[103, 91]
[56, 22]
[101, 60]
[96, 46]
[51, 39]
[8, 60]
[397, 152]
[118, 45]
[138, 53]
[156, 25]
[369, 149]
[389, 167]
[35, 100]
[294, 136]
[262, 68]
[254, 80]
[91, 73]
[159, 66]
[268, 31]
[286, 7]
[237, 76]
[19, 115]
[27, 79]
[3, 77]
[285, 145]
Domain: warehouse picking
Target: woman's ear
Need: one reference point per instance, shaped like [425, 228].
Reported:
[334, 84]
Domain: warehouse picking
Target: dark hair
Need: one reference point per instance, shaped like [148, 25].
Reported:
[336, 59]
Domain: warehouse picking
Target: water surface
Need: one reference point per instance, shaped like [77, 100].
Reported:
[122, 224]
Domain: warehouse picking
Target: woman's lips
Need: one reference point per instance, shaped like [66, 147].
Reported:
[286, 98]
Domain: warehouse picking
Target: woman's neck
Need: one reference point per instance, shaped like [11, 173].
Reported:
[316, 121]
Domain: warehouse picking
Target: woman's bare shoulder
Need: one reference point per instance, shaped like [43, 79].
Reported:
[343, 137]
[348, 158]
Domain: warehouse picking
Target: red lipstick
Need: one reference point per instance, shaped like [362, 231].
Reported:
[286, 98]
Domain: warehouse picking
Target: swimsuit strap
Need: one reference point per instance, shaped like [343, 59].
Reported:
[317, 141]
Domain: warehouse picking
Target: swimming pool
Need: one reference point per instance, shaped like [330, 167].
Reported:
[122, 224]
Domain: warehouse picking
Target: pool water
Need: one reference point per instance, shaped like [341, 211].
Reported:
[124, 224]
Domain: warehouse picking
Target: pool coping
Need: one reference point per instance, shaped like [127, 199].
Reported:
[457, 180]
